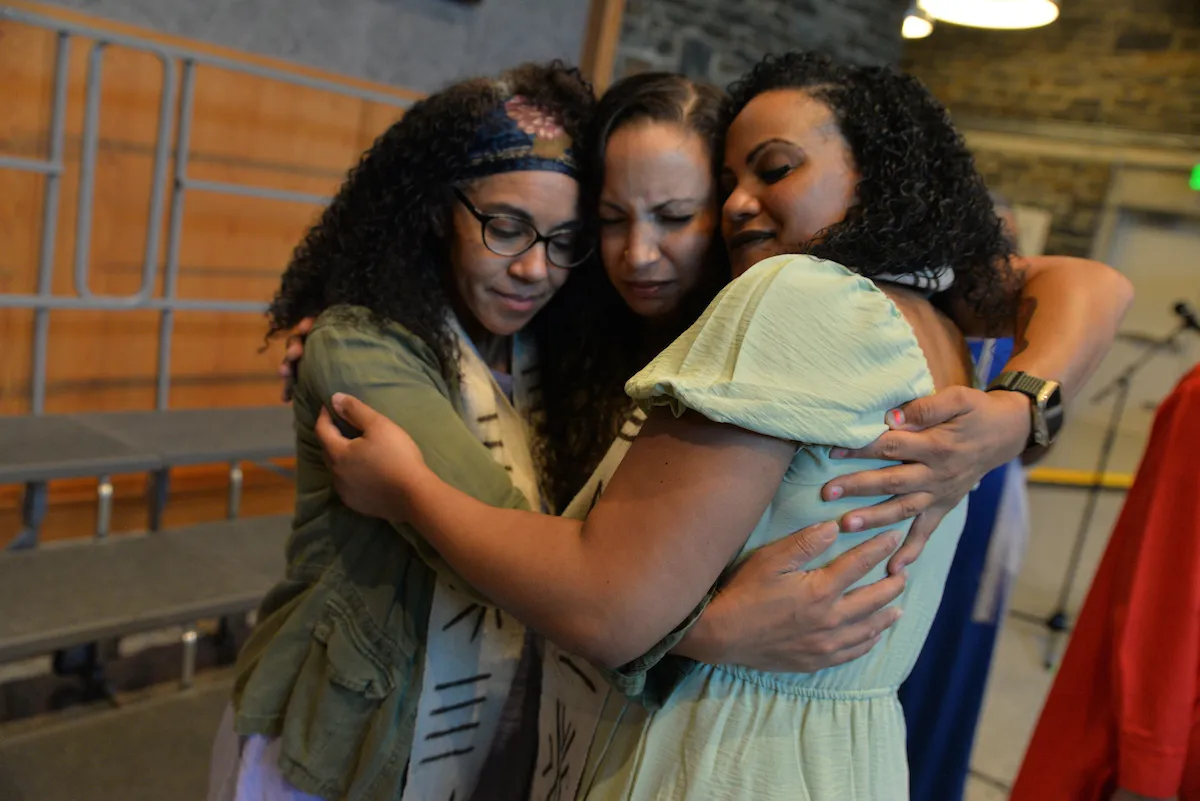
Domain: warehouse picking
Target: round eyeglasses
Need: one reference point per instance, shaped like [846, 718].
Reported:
[506, 235]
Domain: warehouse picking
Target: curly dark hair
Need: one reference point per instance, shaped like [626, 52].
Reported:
[606, 343]
[379, 244]
[921, 204]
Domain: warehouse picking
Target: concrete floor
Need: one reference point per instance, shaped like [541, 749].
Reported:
[1018, 682]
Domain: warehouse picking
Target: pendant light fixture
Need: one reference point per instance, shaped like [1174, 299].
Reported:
[1005, 14]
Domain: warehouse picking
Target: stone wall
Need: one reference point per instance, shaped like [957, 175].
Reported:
[718, 40]
[1105, 71]
[1072, 191]
[1128, 63]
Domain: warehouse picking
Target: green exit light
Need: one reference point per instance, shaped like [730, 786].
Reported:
[1194, 181]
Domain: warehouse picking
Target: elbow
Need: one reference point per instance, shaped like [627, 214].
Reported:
[1100, 281]
[617, 651]
[1123, 290]
[603, 638]
[1116, 285]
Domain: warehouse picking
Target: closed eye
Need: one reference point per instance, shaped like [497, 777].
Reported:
[676, 219]
[507, 229]
[775, 175]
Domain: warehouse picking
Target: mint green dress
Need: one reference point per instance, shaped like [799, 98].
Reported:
[804, 350]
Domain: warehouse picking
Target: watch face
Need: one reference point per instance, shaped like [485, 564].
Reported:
[1052, 414]
[1046, 408]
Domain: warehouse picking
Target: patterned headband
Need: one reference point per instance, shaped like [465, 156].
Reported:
[518, 135]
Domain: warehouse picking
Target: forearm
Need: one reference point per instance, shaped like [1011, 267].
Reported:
[531, 565]
[1070, 312]
[584, 590]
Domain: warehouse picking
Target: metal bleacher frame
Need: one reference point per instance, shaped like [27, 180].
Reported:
[169, 185]
[99, 444]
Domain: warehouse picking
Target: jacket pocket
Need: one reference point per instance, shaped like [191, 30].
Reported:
[338, 728]
[351, 661]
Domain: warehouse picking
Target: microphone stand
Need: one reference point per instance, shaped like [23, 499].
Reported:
[1057, 624]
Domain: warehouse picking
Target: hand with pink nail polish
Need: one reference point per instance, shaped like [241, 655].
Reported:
[946, 443]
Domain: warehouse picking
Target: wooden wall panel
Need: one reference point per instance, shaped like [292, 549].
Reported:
[246, 130]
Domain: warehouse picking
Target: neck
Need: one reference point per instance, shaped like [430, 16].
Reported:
[495, 350]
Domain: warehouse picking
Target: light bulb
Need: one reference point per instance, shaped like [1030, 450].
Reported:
[1004, 14]
[916, 27]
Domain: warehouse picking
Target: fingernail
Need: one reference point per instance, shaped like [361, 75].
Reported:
[838, 453]
[835, 493]
[829, 532]
[336, 401]
[896, 418]
[854, 523]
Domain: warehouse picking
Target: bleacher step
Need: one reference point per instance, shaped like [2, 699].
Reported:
[64, 595]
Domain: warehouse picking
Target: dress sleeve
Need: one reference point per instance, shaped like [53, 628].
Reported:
[395, 373]
[796, 348]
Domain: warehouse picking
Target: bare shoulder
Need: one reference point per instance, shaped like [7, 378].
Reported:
[940, 339]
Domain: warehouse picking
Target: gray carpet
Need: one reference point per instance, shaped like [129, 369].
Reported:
[152, 750]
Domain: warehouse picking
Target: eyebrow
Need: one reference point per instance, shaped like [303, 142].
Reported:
[669, 201]
[753, 154]
[507, 210]
[657, 207]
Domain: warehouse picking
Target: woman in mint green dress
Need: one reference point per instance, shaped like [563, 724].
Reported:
[848, 193]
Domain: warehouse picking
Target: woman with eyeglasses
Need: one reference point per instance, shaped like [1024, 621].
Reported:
[428, 272]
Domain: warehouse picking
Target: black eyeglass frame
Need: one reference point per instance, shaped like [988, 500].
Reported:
[538, 237]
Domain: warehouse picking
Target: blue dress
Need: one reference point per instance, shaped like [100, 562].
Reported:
[943, 695]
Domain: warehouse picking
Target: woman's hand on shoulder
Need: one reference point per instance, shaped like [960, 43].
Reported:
[948, 441]
[375, 463]
[293, 352]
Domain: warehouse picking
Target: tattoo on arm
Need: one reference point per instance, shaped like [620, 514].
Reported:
[1025, 314]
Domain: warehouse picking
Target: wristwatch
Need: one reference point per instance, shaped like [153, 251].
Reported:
[1045, 408]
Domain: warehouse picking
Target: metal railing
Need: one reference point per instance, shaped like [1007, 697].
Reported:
[175, 61]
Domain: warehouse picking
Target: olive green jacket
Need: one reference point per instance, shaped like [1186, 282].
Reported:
[334, 666]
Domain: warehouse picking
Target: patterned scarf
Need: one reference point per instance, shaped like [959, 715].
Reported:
[474, 649]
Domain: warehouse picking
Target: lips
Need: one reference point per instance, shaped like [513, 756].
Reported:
[519, 303]
[647, 289]
[747, 238]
